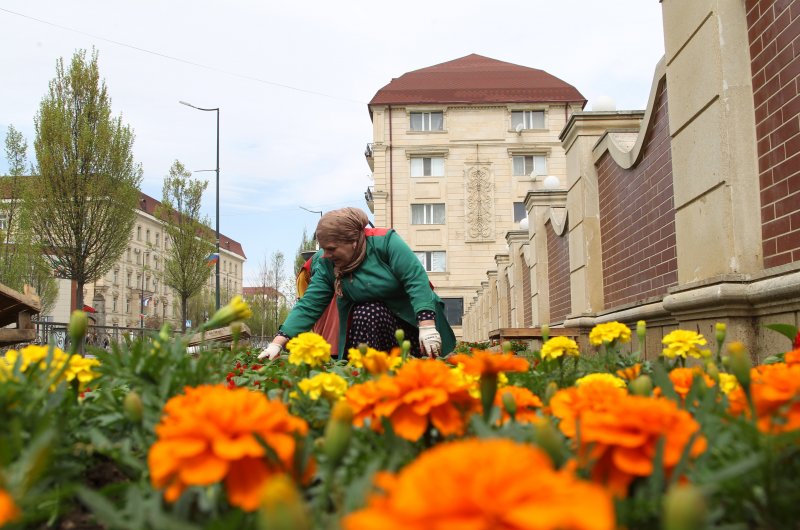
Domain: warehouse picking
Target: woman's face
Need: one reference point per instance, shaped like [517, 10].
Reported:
[340, 252]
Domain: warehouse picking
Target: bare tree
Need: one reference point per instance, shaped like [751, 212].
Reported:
[83, 205]
[186, 262]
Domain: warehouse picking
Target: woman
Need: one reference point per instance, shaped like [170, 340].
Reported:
[379, 285]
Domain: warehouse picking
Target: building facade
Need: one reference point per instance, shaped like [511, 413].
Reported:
[132, 292]
[684, 214]
[456, 147]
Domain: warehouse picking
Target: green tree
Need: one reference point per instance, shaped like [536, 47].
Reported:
[305, 245]
[185, 265]
[21, 253]
[83, 205]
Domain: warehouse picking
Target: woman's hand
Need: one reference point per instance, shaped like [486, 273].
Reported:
[272, 351]
[429, 339]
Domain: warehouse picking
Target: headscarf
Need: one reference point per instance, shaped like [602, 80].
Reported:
[344, 226]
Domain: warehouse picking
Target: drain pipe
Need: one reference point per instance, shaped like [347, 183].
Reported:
[391, 173]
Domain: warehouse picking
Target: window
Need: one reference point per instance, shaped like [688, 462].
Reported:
[519, 212]
[116, 277]
[127, 305]
[158, 239]
[427, 214]
[138, 233]
[529, 119]
[433, 261]
[129, 279]
[129, 253]
[525, 165]
[427, 167]
[114, 305]
[3, 222]
[427, 121]
[147, 235]
[453, 309]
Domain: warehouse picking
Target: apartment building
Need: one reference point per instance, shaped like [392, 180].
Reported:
[455, 149]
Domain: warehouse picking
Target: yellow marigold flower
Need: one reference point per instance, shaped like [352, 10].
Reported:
[78, 368]
[682, 343]
[208, 435]
[496, 483]
[727, 383]
[472, 382]
[609, 332]
[8, 509]
[328, 385]
[375, 361]
[609, 378]
[237, 309]
[559, 346]
[308, 348]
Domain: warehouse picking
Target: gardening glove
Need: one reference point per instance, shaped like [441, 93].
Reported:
[272, 351]
[430, 341]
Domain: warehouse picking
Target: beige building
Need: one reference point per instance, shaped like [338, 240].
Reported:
[684, 214]
[456, 148]
[117, 297]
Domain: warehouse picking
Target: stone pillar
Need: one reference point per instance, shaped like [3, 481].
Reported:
[503, 303]
[517, 241]
[539, 203]
[491, 310]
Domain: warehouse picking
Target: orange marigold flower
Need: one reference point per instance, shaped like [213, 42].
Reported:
[630, 373]
[527, 403]
[422, 391]
[792, 357]
[485, 362]
[621, 438]
[8, 509]
[209, 434]
[776, 394]
[570, 403]
[477, 484]
[683, 378]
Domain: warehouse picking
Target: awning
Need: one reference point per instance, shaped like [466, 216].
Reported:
[89, 309]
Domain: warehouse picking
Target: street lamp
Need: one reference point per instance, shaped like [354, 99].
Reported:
[217, 213]
[320, 216]
[141, 299]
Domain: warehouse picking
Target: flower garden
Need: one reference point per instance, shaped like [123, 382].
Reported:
[150, 437]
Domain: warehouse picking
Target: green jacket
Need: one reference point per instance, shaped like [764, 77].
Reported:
[390, 272]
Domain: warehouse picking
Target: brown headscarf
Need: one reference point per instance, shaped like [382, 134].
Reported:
[344, 226]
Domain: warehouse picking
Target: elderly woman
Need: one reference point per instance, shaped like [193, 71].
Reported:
[379, 284]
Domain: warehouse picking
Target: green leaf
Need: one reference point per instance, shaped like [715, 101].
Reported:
[790, 332]
[101, 507]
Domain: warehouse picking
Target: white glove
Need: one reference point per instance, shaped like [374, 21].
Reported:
[272, 351]
[430, 341]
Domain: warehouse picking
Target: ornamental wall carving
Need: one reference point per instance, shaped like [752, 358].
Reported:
[480, 204]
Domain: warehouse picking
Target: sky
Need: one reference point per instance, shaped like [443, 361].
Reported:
[292, 81]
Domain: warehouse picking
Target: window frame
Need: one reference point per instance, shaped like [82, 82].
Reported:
[447, 299]
[412, 164]
[527, 119]
[514, 214]
[426, 120]
[425, 258]
[428, 213]
[533, 172]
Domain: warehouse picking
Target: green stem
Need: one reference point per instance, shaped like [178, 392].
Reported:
[488, 391]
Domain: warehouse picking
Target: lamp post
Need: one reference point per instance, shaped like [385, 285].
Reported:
[217, 205]
[141, 298]
[320, 216]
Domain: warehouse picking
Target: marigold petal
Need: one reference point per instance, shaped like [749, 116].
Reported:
[632, 461]
[245, 481]
[447, 420]
[407, 424]
[203, 469]
[236, 448]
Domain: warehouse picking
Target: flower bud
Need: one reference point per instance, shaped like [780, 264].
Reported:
[282, 507]
[740, 363]
[400, 335]
[362, 348]
[720, 328]
[406, 346]
[510, 404]
[338, 431]
[78, 324]
[713, 372]
[684, 508]
[641, 386]
[550, 391]
[132, 405]
[546, 436]
[545, 333]
[506, 346]
[237, 309]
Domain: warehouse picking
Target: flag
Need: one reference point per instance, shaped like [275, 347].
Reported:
[212, 259]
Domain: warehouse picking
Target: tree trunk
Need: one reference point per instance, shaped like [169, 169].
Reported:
[184, 311]
[79, 295]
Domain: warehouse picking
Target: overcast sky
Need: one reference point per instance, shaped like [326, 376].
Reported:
[293, 80]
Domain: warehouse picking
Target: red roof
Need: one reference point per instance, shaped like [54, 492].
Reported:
[476, 79]
[149, 205]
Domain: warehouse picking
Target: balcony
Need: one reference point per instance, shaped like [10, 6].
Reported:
[368, 153]
[370, 199]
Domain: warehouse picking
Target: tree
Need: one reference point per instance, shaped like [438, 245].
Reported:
[186, 262]
[305, 245]
[21, 256]
[83, 205]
